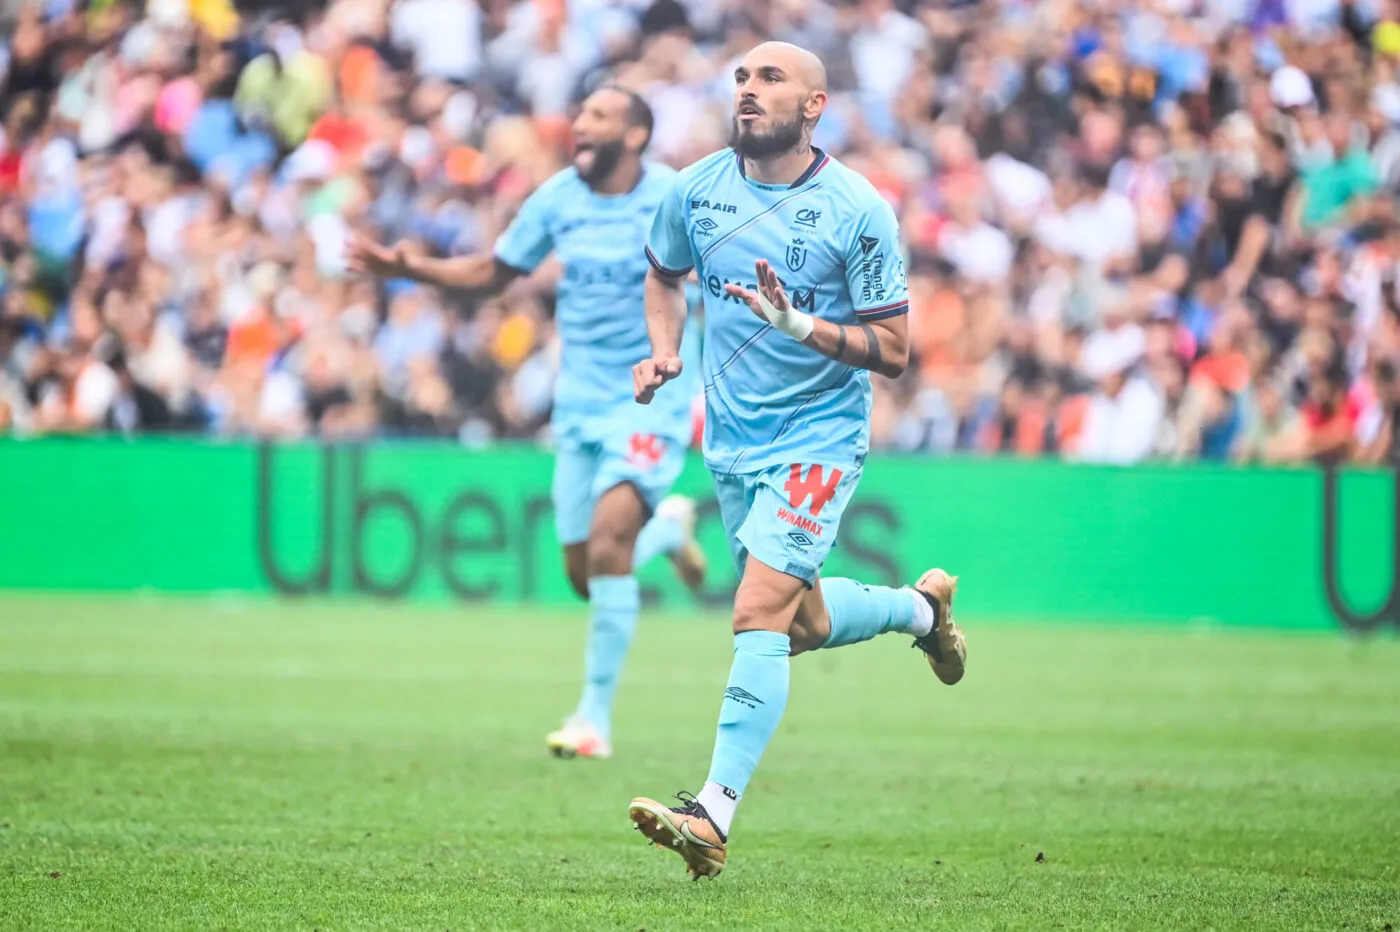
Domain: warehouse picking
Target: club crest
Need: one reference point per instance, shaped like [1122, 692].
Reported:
[797, 254]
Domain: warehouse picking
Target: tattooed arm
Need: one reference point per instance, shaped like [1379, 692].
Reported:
[879, 345]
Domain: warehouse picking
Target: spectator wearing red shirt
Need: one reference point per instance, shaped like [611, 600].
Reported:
[1329, 418]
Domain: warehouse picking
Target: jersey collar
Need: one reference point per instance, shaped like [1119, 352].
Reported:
[819, 160]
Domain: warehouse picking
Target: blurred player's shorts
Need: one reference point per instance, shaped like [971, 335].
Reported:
[584, 471]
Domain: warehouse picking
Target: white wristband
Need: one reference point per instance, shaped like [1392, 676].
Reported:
[796, 324]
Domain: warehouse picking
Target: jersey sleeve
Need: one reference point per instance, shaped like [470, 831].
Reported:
[668, 245]
[875, 265]
[527, 240]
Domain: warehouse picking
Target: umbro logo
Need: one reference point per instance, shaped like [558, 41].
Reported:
[868, 243]
[744, 696]
[705, 226]
[800, 539]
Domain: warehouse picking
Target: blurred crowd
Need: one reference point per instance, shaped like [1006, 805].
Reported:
[1137, 229]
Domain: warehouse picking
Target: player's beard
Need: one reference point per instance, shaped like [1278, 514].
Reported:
[778, 138]
[599, 161]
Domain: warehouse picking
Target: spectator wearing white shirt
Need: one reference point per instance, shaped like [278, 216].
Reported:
[885, 47]
[444, 37]
[980, 252]
[1099, 228]
[1121, 422]
[1021, 190]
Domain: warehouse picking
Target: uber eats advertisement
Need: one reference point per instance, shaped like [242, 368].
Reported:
[1030, 540]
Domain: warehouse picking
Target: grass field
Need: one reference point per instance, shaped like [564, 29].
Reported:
[204, 765]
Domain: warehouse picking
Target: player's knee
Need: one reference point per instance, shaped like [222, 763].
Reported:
[610, 550]
[760, 611]
[617, 520]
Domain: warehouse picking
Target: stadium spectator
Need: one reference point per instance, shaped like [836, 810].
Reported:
[1123, 414]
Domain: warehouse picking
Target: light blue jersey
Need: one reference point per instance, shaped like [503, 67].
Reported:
[600, 305]
[603, 437]
[834, 242]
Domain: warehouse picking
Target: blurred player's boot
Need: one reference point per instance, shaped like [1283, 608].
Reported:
[578, 738]
[945, 646]
[687, 830]
[687, 557]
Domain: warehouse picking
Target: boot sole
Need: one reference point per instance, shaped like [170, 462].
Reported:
[653, 821]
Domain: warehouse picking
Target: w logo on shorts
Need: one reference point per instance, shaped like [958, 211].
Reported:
[645, 449]
[817, 484]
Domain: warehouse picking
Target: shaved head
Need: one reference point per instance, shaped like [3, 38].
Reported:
[779, 95]
[797, 61]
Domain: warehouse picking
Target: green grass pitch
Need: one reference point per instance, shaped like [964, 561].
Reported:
[192, 764]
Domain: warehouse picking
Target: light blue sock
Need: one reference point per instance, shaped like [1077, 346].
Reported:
[659, 535]
[753, 705]
[859, 612]
[614, 601]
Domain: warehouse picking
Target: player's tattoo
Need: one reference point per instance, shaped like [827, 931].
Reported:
[874, 360]
[872, 357]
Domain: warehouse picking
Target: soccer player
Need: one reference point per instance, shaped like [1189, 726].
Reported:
[615, 461]
[805, 295]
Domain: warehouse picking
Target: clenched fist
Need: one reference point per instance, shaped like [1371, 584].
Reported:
[650, 374]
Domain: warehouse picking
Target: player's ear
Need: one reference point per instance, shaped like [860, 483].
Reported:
[815, 105]
[635, 139]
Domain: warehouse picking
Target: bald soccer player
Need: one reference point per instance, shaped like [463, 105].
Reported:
[804, 291]
[615, 462]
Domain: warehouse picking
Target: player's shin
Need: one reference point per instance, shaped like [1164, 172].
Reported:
[614, 601]
[859, 612]
[749, 715]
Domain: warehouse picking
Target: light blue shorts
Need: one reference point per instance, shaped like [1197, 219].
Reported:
[584, 471]
[786, 517]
